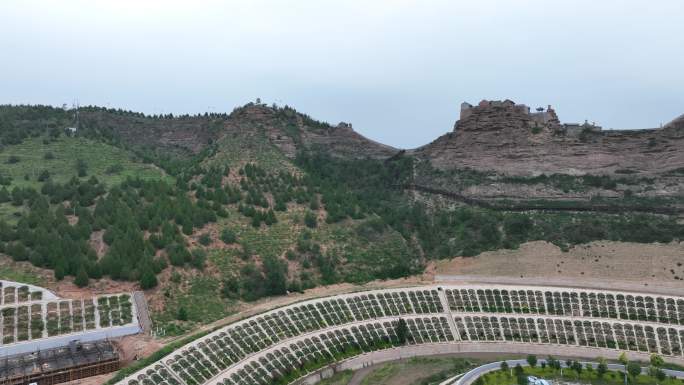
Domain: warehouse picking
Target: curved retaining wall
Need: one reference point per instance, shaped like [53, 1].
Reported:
[442, 319]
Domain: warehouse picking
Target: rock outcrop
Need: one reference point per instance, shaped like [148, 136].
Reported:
[507, 139]
[285, 128]
[290, 131]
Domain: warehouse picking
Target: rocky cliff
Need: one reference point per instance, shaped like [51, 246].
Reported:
[291, 131]
[509, 141]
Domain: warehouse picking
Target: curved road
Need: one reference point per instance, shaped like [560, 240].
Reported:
[472, 375]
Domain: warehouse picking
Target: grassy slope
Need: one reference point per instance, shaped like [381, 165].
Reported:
[234, 150]
[199, 292]
[24, 276]
[418, 371]
[66, 150]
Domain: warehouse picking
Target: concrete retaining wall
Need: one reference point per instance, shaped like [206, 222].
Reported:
[64, 340]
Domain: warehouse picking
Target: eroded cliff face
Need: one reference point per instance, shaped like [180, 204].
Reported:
[187, 135]
[290, 131]
[508, 141]
[285, 128]
[502, 137]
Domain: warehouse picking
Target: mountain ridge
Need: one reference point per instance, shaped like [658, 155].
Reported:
[512, 153]
[502, 136]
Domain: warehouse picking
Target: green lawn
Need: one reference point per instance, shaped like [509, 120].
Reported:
[586, 377]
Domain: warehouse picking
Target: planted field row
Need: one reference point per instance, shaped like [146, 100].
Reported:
[279, 346]
[288, 362]
[235, 342]
[115, 310]
[285, 364]
[18, 294]
[649, 308]
[591, 333]
[53, 318]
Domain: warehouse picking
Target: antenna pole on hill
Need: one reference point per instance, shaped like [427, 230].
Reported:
[76, 117]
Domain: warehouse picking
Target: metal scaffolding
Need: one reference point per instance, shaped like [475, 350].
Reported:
[57, 365]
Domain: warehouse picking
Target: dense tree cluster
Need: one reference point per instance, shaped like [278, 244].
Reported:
[46, 237]
[20, 122]
[356, 188]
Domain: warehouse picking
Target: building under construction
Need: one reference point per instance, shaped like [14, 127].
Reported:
[57, 365]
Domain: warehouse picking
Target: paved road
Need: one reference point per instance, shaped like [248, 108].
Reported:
[472, 375]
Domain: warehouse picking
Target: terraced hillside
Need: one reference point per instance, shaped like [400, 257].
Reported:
[285, 344]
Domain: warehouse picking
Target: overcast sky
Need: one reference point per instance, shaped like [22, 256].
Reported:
[398, 70]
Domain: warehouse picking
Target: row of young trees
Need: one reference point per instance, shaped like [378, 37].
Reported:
[631, 369]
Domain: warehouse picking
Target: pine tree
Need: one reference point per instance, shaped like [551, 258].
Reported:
[402, 331]
[147, 279]
[310, 219]
[81, 279]
[4, 195]
[60, 271]
[182, 314]
[228, 236]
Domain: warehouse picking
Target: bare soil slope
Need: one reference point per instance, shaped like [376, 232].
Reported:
[644, 267]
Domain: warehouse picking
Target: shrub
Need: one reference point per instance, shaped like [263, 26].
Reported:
[43, 176]
[310, 220]
[199, 257]
[81, 168]
[182, 314]
[176, 277]
[228, 236]
[205, 239]
[114, 169]
[13, 159]
[147, 279]
[81, 279]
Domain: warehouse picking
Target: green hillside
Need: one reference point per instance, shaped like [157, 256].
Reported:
[38, 159]
[59, 157]
[233, 219]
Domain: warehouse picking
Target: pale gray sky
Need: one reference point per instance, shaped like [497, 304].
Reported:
[398, 70]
